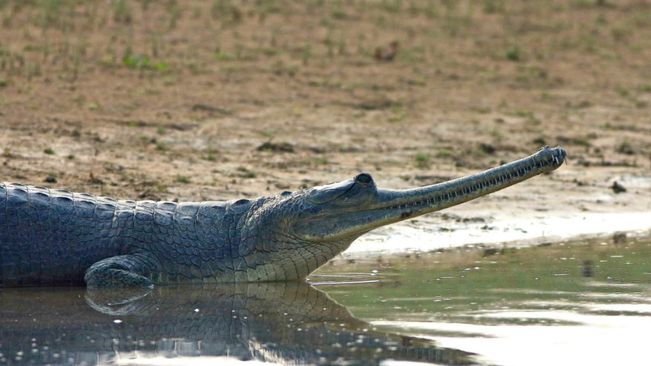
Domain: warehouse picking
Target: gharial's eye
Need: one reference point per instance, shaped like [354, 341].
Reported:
[327, 193]
[364, 178]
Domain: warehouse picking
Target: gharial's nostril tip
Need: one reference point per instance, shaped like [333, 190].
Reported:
[364, 178]
[561, 153]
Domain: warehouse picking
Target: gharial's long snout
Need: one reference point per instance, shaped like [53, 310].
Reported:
[390, 206]
[413, 202]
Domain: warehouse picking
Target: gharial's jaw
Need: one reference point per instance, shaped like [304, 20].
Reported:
[389, 206]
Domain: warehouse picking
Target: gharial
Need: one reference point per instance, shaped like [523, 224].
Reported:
[53, 237]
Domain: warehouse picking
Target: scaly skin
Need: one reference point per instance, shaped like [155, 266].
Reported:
[53, 237]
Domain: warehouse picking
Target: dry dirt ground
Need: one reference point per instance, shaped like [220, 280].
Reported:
[198, 100]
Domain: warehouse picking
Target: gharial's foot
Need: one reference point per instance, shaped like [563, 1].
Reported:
[118, 272]
[120, 301]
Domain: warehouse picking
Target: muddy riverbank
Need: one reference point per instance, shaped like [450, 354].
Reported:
[196, 100]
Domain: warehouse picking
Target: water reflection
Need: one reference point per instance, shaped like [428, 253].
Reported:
[584, 303]
[289, 323]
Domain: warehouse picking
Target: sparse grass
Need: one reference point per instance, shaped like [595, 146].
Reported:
[539, 141]
[183, 179]
[379, 104]
[6, 153]
[244, 172]
[391, 6]
[630, 95]
[266, 133]
[493, 6]
[513, 53]
[626, 148]
[226, 11]
[280, 68]
[221, 55]
[529, 116]
[339, 14]
[482, 109]
[582, 104]
[141, 62]
[581, 141]
[589, 3]
[423, 160]
[306, 54]
[577, 140]
[48, 151]
[51, 13]
[122, 12]
[175, 12]
[487, 148]
[209, 157]
[276, 147]
[93, 106]
[444, 154]
[398, 113]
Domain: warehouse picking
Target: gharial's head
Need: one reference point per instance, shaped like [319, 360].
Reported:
[328, 218]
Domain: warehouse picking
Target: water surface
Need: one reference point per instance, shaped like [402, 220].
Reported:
[581, 303]
[586, 303]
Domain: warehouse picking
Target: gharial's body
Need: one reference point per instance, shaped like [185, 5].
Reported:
[52, 237]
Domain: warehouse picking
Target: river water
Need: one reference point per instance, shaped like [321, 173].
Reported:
[562, 304]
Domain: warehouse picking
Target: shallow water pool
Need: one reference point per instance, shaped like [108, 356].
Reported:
[580, 303]
[586, 303]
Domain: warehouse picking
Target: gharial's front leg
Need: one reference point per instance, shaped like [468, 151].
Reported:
[131, 270]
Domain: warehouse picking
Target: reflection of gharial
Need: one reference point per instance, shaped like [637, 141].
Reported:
[286, 323]
[51, 237]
